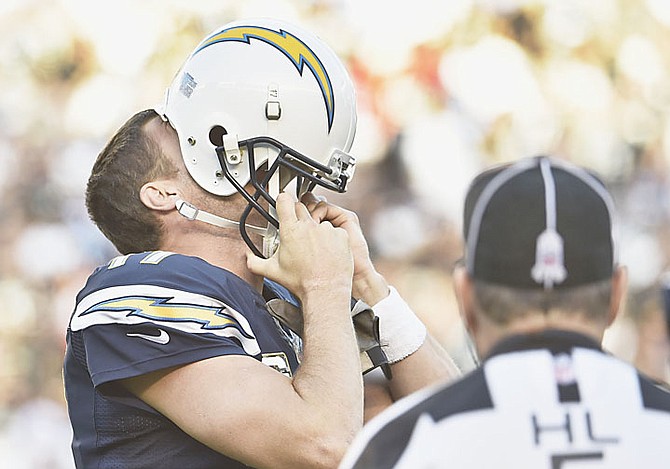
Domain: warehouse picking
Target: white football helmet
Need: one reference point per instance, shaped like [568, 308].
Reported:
[262, 93]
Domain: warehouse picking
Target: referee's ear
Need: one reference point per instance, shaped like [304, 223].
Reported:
[618, 295]
[464, 290]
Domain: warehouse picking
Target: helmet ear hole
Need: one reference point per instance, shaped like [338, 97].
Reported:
[216, 134]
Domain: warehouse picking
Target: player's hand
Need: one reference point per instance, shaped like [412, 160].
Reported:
[368, 284]
[313, 255]
[321, 211]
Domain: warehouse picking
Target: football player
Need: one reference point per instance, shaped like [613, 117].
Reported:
[216, 339]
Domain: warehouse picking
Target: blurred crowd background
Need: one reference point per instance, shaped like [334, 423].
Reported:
[445, 88]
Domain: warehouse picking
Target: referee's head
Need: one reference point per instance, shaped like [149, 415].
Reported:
[539, 248]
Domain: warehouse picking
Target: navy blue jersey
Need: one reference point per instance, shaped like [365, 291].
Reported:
[145, 312]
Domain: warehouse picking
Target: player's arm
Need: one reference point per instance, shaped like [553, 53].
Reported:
[246, 410]
[417, 360]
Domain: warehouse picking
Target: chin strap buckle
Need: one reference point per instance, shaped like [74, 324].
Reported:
[186, 209]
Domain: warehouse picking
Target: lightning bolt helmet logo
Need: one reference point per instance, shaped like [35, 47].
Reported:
[292, 47]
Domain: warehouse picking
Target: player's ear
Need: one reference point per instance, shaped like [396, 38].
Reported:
[158, 195]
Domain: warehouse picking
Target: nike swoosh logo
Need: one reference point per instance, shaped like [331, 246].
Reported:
[162, 338]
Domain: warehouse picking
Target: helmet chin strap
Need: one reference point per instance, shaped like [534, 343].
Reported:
[271, 238]
[189, 211]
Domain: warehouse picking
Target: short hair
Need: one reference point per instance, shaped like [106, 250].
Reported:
[130, 159]
[503, 304]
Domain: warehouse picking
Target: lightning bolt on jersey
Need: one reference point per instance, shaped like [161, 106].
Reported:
[548, 401]
[145, 312]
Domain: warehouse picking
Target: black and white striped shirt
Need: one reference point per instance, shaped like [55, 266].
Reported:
[551, 400]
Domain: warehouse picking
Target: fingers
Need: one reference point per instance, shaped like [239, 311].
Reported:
[301, 211]
[309, 198]
[309, 252]
[286, 208]
[322, 211]
[259, 266]
[318, 206]
[290, 211]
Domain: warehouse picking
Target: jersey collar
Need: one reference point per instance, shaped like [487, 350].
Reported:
[554, 340]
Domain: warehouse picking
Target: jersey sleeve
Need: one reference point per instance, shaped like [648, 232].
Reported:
[134, 319]
[118, 351]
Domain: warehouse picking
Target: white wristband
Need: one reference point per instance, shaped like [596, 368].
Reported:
[401, 332]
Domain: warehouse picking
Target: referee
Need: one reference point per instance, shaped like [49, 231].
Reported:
[538, 288]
